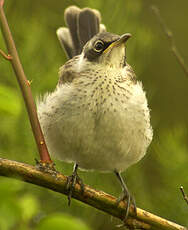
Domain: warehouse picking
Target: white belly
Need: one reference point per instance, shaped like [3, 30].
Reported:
[97, 126]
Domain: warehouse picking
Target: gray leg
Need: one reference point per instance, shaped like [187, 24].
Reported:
[72, 180]
[125, 194]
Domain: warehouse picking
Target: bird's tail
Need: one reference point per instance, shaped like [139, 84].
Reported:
[82, 25]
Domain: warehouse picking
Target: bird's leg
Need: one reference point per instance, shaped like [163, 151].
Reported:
[72, 180]
[125, 195]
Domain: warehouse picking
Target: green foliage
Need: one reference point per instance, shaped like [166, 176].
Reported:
[10, 205]
[10, 96]
[21, 209]
[60, 221]
[29, 206]
[155, 180]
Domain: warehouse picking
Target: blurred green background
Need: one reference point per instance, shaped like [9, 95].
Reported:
[156, 179]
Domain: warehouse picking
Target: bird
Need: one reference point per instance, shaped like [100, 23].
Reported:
[98, 116]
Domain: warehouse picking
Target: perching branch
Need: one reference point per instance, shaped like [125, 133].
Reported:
[25, 87]
[94, 198]
[170, 38]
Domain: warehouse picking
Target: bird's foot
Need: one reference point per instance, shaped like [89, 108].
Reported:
[126, 196]
[71, 182]
[47, 167]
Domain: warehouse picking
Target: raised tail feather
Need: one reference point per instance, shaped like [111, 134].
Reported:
[82, 25]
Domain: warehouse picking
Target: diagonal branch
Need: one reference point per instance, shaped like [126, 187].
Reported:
[94, 198]
[185, 197]
[170, 38]
[24, 86]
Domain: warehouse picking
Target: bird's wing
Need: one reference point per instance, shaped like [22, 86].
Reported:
[82, 25]
[66, 73]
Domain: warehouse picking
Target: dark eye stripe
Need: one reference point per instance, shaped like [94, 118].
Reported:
[104, 45]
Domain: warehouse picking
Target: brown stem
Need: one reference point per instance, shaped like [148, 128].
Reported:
[94, 198]
[169, 36]
[25, 88]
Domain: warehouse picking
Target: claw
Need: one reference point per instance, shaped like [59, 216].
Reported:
[47, 167]
[71, 181]
[134, 205]
[125, 196]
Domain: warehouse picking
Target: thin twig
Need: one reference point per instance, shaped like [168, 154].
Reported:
[170, 37]
[185, 197]
[25, 87]
[90, 196]
[7, 57]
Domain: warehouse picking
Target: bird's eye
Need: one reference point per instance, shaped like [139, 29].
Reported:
[99, 46]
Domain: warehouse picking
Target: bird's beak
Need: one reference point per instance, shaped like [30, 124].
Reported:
[116, 43]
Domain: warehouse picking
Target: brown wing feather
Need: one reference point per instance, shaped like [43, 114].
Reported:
[66, 73]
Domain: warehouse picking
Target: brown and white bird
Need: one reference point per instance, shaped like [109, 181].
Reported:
[98, 116]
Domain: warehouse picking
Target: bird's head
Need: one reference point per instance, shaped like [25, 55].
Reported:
[107, 49]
